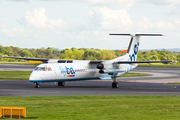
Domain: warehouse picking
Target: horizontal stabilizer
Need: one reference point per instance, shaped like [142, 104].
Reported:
[105, 78]
[130, 62]
[140, 34]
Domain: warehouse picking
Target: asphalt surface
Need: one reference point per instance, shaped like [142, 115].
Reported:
[12, 67]
[149, 85]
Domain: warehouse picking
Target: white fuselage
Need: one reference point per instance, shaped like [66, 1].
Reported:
[57, 72]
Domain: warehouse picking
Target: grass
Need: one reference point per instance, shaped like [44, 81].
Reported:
[15, 75]
[24, 75]
[135, 74]
[160, 65]
[174, 83]
[97, 107]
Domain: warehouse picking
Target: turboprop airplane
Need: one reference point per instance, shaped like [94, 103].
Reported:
[75, 70]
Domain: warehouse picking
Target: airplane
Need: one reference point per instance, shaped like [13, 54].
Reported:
[60, 71]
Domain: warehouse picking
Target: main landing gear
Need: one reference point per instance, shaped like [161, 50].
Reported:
[61, 83]
[115, 84]
[37, 85]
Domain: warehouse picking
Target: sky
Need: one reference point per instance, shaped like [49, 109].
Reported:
[87, 23]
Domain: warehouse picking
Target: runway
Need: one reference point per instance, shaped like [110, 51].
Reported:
[149, 85]
[13, 67]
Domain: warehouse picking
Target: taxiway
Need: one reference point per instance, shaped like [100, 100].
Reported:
[149, 85]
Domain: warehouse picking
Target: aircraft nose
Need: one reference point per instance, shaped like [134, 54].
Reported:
[34, 76]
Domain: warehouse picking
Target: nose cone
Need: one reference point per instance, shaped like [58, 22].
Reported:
[34, 76]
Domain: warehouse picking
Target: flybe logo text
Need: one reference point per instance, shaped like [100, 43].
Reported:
[67, 72]
[133, 56]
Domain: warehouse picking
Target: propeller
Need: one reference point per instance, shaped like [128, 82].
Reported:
[101, 67]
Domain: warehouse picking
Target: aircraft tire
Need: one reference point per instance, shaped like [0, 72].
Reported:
[115, 85]
[61, 83]
[37, 86]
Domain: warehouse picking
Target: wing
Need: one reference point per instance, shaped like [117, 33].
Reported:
[44, 60]
[130, 62]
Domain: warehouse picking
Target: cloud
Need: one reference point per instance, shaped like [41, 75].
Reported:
[38, 19]
[117, 2]
[147, 25]
[14, 32]
[161, 2]
[108, 19]
[98, 1]
[106, 1]
[2, 25]
[19, 0]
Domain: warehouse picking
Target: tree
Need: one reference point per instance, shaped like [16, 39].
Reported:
[78, 54]
[154, 57]
[67, 54]
[2, 50]
[140, 56]
[26, 53]
[49, 52]
[178, 57]
[107, 54]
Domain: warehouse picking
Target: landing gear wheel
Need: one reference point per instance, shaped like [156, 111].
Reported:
[37, 85]
[61, 83]
[115, 85]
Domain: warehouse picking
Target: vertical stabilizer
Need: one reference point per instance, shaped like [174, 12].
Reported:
[132, 50]
[133, 47]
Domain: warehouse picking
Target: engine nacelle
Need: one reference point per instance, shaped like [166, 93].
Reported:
[101, 71]
[100, 66]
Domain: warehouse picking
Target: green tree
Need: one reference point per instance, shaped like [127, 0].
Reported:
[78, 54]
[49, 51]
[26, 53]
[67, 54]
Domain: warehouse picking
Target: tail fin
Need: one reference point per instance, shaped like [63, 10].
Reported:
[132, 50]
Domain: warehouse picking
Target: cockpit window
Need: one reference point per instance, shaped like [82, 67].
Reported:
[48, 69]
[43, 69]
